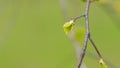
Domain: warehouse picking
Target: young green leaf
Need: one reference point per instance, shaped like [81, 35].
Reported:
[80, 34]
[68, 26]
[102, 63]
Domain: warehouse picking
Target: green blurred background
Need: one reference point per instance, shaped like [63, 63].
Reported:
[31, 33]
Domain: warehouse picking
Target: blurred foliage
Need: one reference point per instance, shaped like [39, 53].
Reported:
[112, 9]
[31, 34]
[80, 34]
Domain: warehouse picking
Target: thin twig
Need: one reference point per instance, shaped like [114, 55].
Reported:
[83, 15]
[100, 56]
[76, 46]
[86, 36]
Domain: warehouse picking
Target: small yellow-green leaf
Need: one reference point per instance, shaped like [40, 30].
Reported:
[68, 26]
[102, 63]
[80, 34]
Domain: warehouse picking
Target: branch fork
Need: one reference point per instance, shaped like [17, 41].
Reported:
[87, 36]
